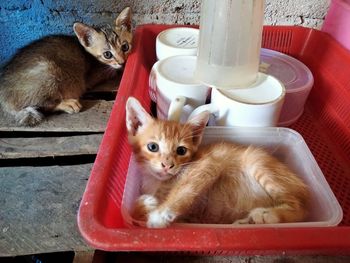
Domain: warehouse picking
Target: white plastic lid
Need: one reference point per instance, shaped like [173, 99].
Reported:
[291, 72]
[180, 37]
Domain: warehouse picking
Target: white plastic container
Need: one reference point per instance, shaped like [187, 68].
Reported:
[229, 42]
[285, 144]
[297, 79]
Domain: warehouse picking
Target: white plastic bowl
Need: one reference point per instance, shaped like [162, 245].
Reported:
[177, 41]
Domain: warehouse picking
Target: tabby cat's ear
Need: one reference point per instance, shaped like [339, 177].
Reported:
[136, 116]
[198, 123]
[86, 34]
[124, 19]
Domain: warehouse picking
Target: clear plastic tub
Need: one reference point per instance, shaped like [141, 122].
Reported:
[297, 79]
[285, 144]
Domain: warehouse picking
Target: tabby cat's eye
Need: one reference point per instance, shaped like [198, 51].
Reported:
[108, 54]
[153, 147]
[125, 47]
[181, 150]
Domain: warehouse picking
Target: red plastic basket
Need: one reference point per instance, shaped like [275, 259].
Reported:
[325, 126]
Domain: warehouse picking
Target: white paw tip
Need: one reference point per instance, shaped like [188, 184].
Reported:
[160, 219]
[263, 216]
[149, 201]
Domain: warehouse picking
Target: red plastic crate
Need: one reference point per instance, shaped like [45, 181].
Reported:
[325, 126]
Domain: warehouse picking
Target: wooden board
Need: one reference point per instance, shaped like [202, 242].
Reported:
[11, 148]
[39, 207]
[39, 200]
[92, 118]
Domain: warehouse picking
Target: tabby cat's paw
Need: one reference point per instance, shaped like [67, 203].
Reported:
[160, 218]
[69, 106]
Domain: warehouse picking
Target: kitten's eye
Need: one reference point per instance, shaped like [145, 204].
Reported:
[153, 147]
[108, 54]
[125, 47]
[181, 150]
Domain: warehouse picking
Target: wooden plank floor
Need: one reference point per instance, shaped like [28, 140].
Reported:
[43, 173]
[92, 118]
[40, 206]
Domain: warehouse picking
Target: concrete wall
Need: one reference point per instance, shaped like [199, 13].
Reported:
[22, 21]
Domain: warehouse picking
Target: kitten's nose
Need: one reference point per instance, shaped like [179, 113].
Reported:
[168, 166]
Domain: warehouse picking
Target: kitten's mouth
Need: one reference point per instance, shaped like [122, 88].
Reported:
[163, 176]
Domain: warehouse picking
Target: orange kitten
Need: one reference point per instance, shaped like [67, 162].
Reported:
[221, 183]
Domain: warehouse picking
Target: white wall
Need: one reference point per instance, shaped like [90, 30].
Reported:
[309, 13]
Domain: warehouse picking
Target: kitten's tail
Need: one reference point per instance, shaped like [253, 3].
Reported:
[29, 116]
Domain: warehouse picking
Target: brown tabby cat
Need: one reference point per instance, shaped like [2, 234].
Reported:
[52, 73]
[223, 182]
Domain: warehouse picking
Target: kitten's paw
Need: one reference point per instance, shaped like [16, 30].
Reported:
[149, 202]
[69, 106]
[241, 221]
[160, 218]
[143, 206]
[29, 116]
[259, 216]
[263, 216]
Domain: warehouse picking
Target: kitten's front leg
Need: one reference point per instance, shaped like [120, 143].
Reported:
[177, 203]
[192, 184]
[143, 206]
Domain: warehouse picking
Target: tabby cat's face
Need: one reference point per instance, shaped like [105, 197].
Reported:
[163, 148]
[111, 45]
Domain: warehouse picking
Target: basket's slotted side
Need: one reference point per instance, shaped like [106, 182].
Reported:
[329, 105]
[329, 63]
[326, 121]
[288, 40]
[334, 169]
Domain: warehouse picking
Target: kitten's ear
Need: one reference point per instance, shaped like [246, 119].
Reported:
[136, 116]
[198, 123]
[85, 34]
[124, 19]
